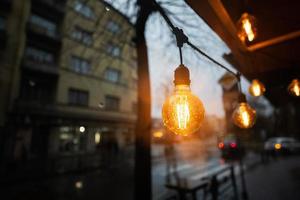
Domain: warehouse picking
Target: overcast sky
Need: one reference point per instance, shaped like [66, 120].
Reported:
[164, 56]
[204, 75]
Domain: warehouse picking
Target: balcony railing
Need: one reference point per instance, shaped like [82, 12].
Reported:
[42, 31]
[48, 68]
[57, 5]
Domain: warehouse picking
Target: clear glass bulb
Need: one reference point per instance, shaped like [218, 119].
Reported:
[183, 112]
[294, 88]
[244, 116]
[256, 88]
[246, 27]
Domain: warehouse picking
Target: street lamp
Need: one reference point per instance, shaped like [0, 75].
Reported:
[257, 88]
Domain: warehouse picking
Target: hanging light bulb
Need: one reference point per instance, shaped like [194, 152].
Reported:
[256, 88]
[244, 115]
[294, 88]
[246, 27]
[182, 112]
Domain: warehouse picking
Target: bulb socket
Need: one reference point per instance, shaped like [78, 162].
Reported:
[242, 98]
[182, 75]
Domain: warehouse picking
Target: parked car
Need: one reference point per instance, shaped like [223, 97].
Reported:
[230, 148]
[282, 144]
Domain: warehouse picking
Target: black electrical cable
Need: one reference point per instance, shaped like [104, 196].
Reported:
[180, 54]
[181, 38]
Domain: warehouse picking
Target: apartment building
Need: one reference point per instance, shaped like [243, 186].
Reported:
[68, 82]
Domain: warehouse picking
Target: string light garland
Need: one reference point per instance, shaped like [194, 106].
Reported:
[177, 110]
[182, 112]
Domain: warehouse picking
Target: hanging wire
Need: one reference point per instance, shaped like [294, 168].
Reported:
[180, 54]
[181, 38]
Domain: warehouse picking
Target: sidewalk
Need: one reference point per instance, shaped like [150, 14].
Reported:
[116, 182]
[279, 179]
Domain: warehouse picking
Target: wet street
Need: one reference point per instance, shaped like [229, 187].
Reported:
[192, 156]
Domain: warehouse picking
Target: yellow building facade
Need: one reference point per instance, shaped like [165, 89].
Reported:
[72, 86]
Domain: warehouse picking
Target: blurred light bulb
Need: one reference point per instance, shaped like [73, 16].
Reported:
[158, 134]
[244, 116]
[256, 88]
[182, 112]
[246, 28]
[294, 88]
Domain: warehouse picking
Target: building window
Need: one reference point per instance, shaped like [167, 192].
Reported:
[84, 9]
[113, 50]
[82, 36]
[2, 23]
[45, 25]
[71, 140]
[39, 55]
[80, 65]
[112, 75]
[38, 91]
[112, 103]
[113, 27]
[78, 97]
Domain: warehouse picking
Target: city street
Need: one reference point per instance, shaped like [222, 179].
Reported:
[280, 175]
[194, 155]
[276, 180]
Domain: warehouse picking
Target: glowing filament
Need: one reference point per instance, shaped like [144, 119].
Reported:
[183, 113]
[248, 29]
[296, 90]
[245, 118]
[256, 90]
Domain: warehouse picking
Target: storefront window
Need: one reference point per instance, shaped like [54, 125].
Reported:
[72, 139]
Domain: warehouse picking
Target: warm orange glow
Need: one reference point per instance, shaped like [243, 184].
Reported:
[221, 145]
[158, 134]
[246, 27]
[294, 88]
[244, 116]
[183, 112]
[277, 146]
[256, 88]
